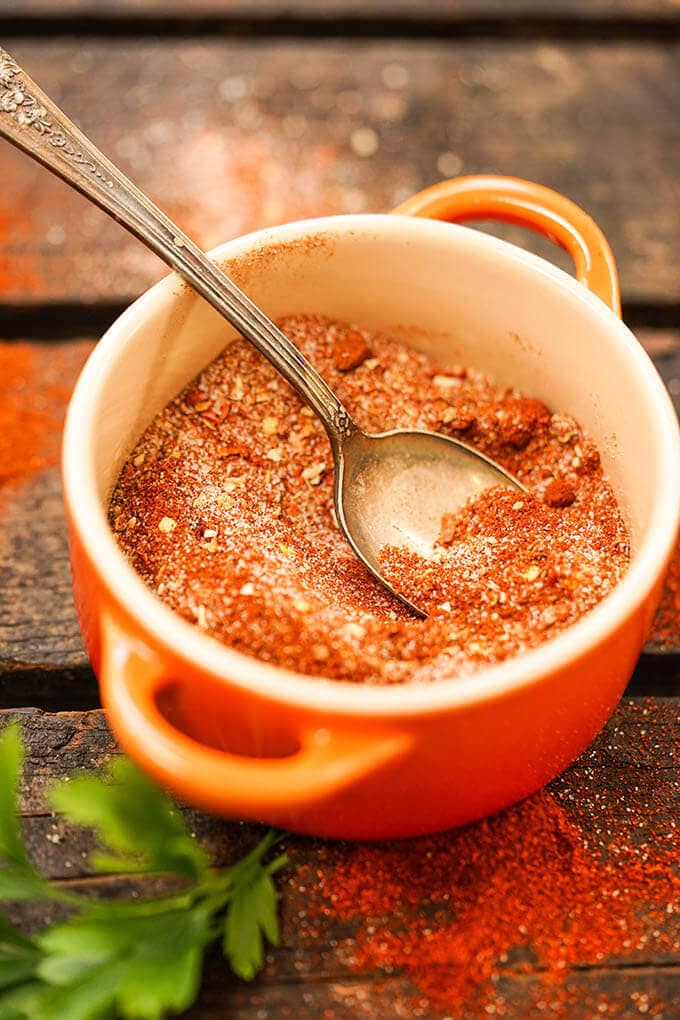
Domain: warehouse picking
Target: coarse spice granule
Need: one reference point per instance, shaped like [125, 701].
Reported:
[585, 874]
[225, 508]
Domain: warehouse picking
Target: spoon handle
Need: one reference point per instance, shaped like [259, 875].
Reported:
[31, 121]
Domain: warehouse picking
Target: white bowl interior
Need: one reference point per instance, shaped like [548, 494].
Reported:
[459, 295]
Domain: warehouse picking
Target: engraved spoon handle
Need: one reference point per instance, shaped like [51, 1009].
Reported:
[31, 121]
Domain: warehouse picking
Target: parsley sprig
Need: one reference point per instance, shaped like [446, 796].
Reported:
[135, 959]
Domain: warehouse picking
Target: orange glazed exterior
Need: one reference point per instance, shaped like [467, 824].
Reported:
[267, 752]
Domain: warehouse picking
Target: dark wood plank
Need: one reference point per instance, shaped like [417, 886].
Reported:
[618, 992]
[42, 659]
[439, 10]
[38, 626]
[231, 135]
[623, 790]
[38, 629]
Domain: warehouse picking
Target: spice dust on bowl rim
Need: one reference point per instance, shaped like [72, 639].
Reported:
[242, 738]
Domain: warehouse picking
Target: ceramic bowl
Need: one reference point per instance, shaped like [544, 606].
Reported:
[242, 738]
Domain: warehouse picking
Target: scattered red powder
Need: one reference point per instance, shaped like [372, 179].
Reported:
[273, 184]
[35, 384]
[17, 261]
[666, 626]
[550, 885]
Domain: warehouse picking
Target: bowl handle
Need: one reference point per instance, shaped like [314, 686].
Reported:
[529, 205]
[325, 763]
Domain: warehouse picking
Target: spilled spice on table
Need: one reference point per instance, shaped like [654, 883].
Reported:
[18, 263]
[225, 508]
[36, 381]
[555, 883]
[665, 630]
[275, 182]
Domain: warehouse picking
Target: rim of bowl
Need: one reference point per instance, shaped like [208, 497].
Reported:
[186, 642]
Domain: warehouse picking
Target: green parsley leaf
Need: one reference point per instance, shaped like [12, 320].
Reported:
[19, 956]
[156, 960]
[135, 959]
[167, 973]
[133, 819]
[91, 996]
[12, 847]
[19, 1003]
[252, 910]
[18, 883]
[18, 878]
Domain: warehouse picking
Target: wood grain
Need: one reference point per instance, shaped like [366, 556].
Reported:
[336, 997]
[38, 626]
[630, 772]
[36, 606]
[230, 136]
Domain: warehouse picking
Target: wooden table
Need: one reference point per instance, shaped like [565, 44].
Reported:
[239, 113]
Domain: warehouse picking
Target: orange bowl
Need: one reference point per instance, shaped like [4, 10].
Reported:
[242, 738]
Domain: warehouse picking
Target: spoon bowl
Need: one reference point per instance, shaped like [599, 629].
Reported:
[393, 488]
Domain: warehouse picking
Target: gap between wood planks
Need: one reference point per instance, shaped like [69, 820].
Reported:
[420, 22]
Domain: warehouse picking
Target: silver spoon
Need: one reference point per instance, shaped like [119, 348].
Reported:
[391, 488]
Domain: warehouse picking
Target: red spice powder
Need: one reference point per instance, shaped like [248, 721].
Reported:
[554, 883]
[18, 265]
[225, 508]
[666, 626]
[275, 183]
[536, 576]
[15, 278]
[35, 384]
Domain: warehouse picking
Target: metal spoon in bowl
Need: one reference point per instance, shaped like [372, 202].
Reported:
[391, 488]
